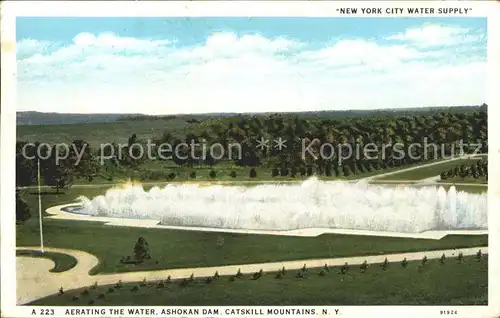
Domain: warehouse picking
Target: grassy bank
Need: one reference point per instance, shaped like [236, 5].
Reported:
[431, 284]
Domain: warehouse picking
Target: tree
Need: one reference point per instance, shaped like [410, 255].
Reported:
[22, 209]
[253, 173]
[141, 249]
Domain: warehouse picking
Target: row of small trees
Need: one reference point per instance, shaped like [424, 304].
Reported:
[475, 170]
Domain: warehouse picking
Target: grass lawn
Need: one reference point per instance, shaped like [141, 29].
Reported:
[177, 249]
[63, 262]
[427, 172]
[451, 283]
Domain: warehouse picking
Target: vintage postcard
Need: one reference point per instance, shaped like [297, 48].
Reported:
[244, 159]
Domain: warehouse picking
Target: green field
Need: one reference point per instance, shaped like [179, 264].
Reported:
[62, 262]
[177, 249]
[99, 133]
[451, 283]
[427, 172]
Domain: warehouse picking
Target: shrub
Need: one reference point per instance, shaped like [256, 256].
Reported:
[274, 172]
[85, 292]
[171, 176]
[302, 171]
[253, 173]
[91, 302]
[404, 263]
[424, 260]
[442, 259]
[111, 290]
[101, 296]
[309, 171]
[141, 249]
[192, 175]
[233, 174]
[75, 298]
[256, 276]
[363, 266]
[135, 288]
[213, 174]
[344, 268]
[385, 264]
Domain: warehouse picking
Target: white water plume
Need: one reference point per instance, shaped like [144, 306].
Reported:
[310, 204]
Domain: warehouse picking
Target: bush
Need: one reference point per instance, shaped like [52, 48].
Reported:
[385, 264]
[309, 171]
[75, 298]
[91, 302]
[233, 174]
[192, 175]
[363, 266]
[302, 171]
[404, 263]
[135, 288]
[111, 290]
[344, 268]
[101, 296]
[213, 174]
[424, 260]
[85, 292]
[171, 176]
[442, 259]
[141, 249]
[253, 173]
[274, 172]
[119, 284]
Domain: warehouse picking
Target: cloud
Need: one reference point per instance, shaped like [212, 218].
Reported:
[432, 35]
[251, 72]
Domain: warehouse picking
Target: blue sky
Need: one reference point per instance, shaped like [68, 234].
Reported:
[182, 65]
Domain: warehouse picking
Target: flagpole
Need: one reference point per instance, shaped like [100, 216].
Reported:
[40, 209]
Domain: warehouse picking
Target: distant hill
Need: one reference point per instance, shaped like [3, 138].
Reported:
[38, 118]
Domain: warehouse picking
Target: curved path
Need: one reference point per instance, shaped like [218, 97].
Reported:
[35, 281]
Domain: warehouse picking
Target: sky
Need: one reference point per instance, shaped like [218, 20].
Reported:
[205, 65]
